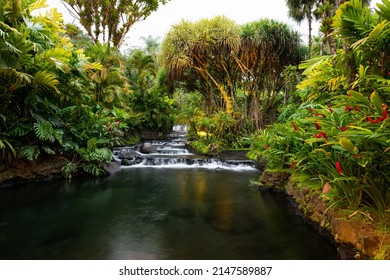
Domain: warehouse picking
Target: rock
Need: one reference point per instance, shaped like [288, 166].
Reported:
[147, 148]
[128, 154]
[344, 231]
[274, 179]
[111, 167]
[22, 170]
[130, 162]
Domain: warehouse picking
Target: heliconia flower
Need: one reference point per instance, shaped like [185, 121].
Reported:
[348, 95]
[343, 128]
[348, 108]
[371, 120]
[339, 169]
[321, 135]
[319, 115]
[266, 147]
[384, 114]
[318, 127]
[381, 119]
[330, 109]
[294, 126]
[357, 108]
[292, 165]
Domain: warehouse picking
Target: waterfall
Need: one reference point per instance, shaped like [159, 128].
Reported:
[173, 153]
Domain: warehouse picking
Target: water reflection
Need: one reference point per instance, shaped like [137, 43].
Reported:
[154, 214]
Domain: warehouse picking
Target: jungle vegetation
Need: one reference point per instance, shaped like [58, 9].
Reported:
[320, 110]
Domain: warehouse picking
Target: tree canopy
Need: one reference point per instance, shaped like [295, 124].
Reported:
[219, 58]
[110, 21]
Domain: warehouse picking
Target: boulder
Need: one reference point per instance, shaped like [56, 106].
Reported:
[111, 167]
[147, 148]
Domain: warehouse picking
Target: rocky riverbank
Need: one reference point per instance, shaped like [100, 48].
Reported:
[355, 235]
[22, 170]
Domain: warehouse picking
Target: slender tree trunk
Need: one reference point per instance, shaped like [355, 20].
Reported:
[310, 22]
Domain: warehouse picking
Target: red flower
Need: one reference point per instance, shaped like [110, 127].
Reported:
[348, 108]
[266, 147]
[339, 169]
[330, 109]
[381, 119]
[321, 135]
[318, 127]
[357, 108]
[294, 126]
[292, 165]
[343, 128]
[319, 115]
[384, 114]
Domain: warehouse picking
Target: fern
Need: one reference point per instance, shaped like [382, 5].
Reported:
[69, 169]
[8, 151]
[46, 80]
[93, 168]
[101, 155]
[29, 152]
[92, 144]
[48, 150]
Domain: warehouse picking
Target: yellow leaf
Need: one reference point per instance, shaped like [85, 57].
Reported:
[347, 145]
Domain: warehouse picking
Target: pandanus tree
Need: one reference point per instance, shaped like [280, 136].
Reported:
[218, 58]
[201, 55]
[267, 46]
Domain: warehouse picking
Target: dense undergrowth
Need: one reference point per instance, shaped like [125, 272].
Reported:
[62, 93]
[338, 135]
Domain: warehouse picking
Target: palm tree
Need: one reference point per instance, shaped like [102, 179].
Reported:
[299, 10]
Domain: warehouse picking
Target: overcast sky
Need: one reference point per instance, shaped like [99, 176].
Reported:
[241, 11]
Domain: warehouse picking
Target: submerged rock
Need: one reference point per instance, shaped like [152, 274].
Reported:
[184, 213]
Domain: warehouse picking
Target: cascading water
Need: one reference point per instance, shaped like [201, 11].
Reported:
[173, 153]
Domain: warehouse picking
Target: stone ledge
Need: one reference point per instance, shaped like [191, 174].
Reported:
[355, 239]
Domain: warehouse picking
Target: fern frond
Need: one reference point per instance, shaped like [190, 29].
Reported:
[46, 80]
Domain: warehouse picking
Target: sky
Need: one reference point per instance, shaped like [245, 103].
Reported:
[241, 11]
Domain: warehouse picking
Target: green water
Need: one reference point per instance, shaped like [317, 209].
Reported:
[154, 213]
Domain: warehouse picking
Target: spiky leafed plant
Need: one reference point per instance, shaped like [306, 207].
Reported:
[267, 46]
[201, 54]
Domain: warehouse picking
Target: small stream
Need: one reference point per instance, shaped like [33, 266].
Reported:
[166, 204]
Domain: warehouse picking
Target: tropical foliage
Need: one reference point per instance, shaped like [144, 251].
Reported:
[339, 135]
[237, 70]
[61, 94]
